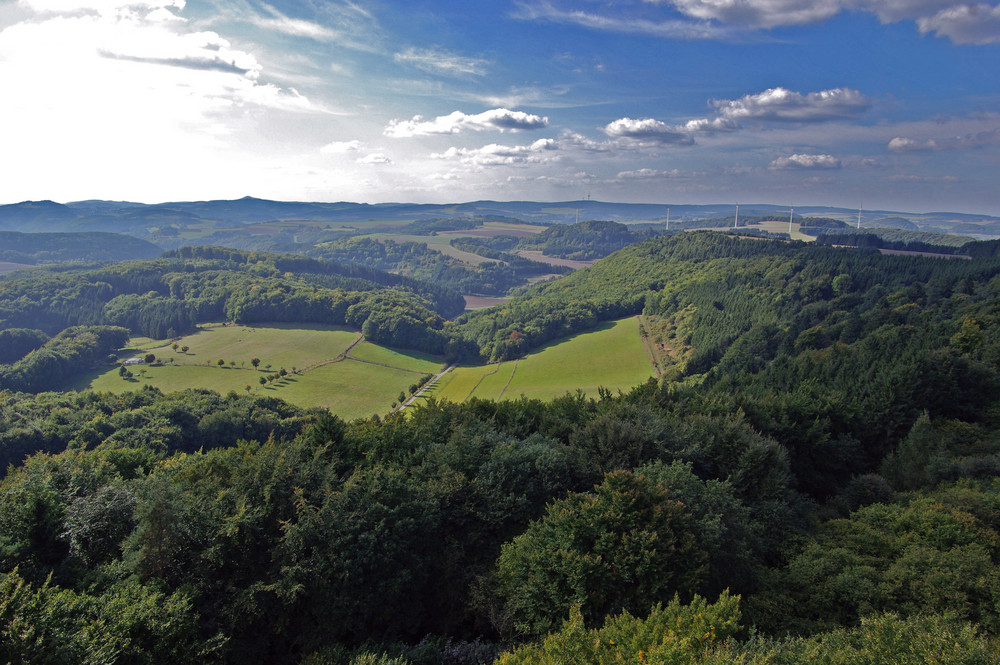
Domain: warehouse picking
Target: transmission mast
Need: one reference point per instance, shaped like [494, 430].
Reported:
[736, 222]
[791, 215]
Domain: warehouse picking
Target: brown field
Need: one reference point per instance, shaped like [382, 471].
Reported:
[11, 267]
[493, 229]
[536, 255]
[478, 302]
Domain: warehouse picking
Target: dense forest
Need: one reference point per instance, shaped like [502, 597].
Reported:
[495, 277]
[39, 248]
[816, 479]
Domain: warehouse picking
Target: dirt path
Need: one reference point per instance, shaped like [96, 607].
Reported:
[507, 385]
[649, 350]
[434, 379]
[346, 353]
[495, 370]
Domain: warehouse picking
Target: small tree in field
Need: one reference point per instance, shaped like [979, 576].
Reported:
[255, 362]
[221, 362]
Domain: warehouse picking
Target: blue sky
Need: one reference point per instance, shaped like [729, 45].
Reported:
[892, 104]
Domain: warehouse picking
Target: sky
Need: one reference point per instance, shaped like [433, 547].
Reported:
[885, 104]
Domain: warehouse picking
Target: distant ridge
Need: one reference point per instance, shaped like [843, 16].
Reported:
[139, 219]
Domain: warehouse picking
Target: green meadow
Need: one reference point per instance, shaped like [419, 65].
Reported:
[323, 376]
[334, 368]
[611, 356]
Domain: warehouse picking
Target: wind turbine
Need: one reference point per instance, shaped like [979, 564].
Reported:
[736, 222]
[791, 215]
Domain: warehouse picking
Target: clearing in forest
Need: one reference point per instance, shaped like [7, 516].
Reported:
[333, 367]
[611, 356]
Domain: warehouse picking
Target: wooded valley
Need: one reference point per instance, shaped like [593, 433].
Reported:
[814, 477]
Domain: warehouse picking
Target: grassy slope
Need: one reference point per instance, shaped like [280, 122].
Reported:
[411, 360]
[349, 388]
[611, 356]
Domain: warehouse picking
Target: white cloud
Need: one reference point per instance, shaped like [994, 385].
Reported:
[758, 13]
[97, 6]
[903, 144]
[111, 101]
[453, 123]
[780, 104]
[342, 147]
[773, 105]
[292, 26]
[376, 158]
[962, 22]
[668, 29]
[651, 174]
[965, 24]
[503, 155]
[648, 129]
[805, 162]
[441, 62]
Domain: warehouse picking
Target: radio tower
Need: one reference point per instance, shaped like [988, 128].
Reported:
[736, 222]
[791, 215]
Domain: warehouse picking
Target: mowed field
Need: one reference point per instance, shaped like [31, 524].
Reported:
[442, 241]
[611, 356]
[361, 384]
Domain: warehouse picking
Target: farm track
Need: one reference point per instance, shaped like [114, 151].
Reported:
[426, 386]
[346, 353]
[649, 351]
[507, 385]
[495, 370]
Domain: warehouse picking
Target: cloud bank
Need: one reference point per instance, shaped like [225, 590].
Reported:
[502, 120]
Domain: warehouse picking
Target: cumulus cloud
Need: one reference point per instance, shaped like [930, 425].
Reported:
[805, 162]
[902, 144]
[965, 24]
[648, 129]
[341, 147]
[453, 123]
[503, 155]
[782, 105]
[773, 105]
[376, 158]
[441, 62]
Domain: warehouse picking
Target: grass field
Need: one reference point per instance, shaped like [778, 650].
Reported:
[349, 387]
[409, 360]
[611, 356]
[366, 379]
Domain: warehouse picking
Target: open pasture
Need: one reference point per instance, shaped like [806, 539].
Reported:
[350, 387]
[611, 356]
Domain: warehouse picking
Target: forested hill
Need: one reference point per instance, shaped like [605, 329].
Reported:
[170, 295]
[39, 248]
[817, 479]
[715, 288]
